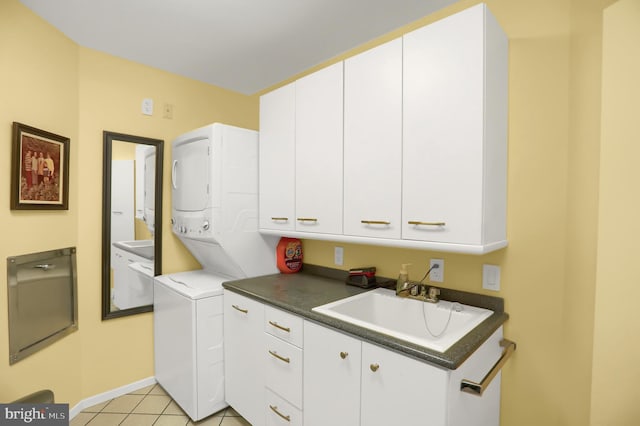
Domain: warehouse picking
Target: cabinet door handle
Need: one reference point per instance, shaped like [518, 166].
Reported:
[343, 355]
[281, 358]
[276, 325]
[375, 222]
[237, 308]
[374, 367]
[280, 219]
[307, 219]
[274, 408]
[417, 222]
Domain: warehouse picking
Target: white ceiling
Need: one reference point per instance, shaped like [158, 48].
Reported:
[241, 45]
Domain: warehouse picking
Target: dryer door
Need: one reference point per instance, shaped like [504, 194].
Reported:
[190, 175]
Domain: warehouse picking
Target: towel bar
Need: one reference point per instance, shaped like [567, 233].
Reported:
[474, 388]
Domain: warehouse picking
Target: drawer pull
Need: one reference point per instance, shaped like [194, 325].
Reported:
[275, 219]
[276, 325]
[274, 408]
[374, 367]
[375, 222]
[237, 308]
[343, 355]
[307, 219]
[281, 358]
[417, 222]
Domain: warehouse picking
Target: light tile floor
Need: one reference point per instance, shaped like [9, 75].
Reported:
[150, 406]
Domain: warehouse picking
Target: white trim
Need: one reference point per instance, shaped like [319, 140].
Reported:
[476, 249]
[113, 393]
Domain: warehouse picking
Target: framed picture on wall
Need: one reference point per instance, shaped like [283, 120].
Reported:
[39, 169]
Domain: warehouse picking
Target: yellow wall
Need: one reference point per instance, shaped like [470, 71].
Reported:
[568, 208]
[38, 87]
[111, 92]
[548, 270]
[49, 82]
[616, 349]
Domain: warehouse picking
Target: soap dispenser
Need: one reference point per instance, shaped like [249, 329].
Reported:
[403, 278]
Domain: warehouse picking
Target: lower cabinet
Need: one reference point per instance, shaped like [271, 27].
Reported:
[330, 378]
[283, 352]
[280, 412]
[399, 390]
[351, 382]
[243, 367]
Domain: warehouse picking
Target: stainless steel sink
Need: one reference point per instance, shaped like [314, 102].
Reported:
[435, 326]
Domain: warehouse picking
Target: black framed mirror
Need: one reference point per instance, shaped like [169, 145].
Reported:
[131, 222]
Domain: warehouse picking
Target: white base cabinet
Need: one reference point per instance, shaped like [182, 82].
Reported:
[283, 370]
[331, 377]
[350, 382]
[243, 368]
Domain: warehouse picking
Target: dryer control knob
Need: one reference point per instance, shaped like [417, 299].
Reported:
[205, 225]
[173, 221]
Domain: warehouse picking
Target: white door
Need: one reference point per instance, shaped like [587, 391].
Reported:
[190, 174]
[373, 142]
[319, 118]
[244, 364]
[397, 390]
[277, 159]
[122, 201]
[331, 377]
[443, 130]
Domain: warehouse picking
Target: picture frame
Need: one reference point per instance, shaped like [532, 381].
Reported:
[40, 183]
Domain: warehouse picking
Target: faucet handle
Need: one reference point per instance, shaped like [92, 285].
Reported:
[434, 292]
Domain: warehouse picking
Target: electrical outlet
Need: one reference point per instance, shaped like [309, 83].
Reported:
[491, 277]
[338, 256]
[437, 272]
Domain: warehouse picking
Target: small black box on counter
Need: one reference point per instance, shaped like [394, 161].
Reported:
[362, 277]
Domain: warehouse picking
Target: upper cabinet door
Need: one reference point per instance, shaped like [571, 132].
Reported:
[318, 151]
[446, 151]
[277, 169]
[373, 142]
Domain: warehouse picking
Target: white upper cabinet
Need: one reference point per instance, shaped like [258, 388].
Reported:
[454, 132]
[277, 159]
[423, 163]
[318, 153]
[373, 142]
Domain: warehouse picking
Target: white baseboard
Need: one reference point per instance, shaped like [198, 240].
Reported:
[113, 393]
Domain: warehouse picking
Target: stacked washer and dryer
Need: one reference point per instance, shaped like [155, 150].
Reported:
[214, 180]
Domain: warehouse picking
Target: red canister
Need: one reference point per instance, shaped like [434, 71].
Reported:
[289, 255]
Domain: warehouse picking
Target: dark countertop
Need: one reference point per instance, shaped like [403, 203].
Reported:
[314, 286]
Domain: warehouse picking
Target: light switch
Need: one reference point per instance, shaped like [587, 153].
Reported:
[491, 277]
[147, 106]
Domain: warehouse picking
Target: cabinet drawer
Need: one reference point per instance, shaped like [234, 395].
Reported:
[283, 369]
[284, 325]
[280, 412]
